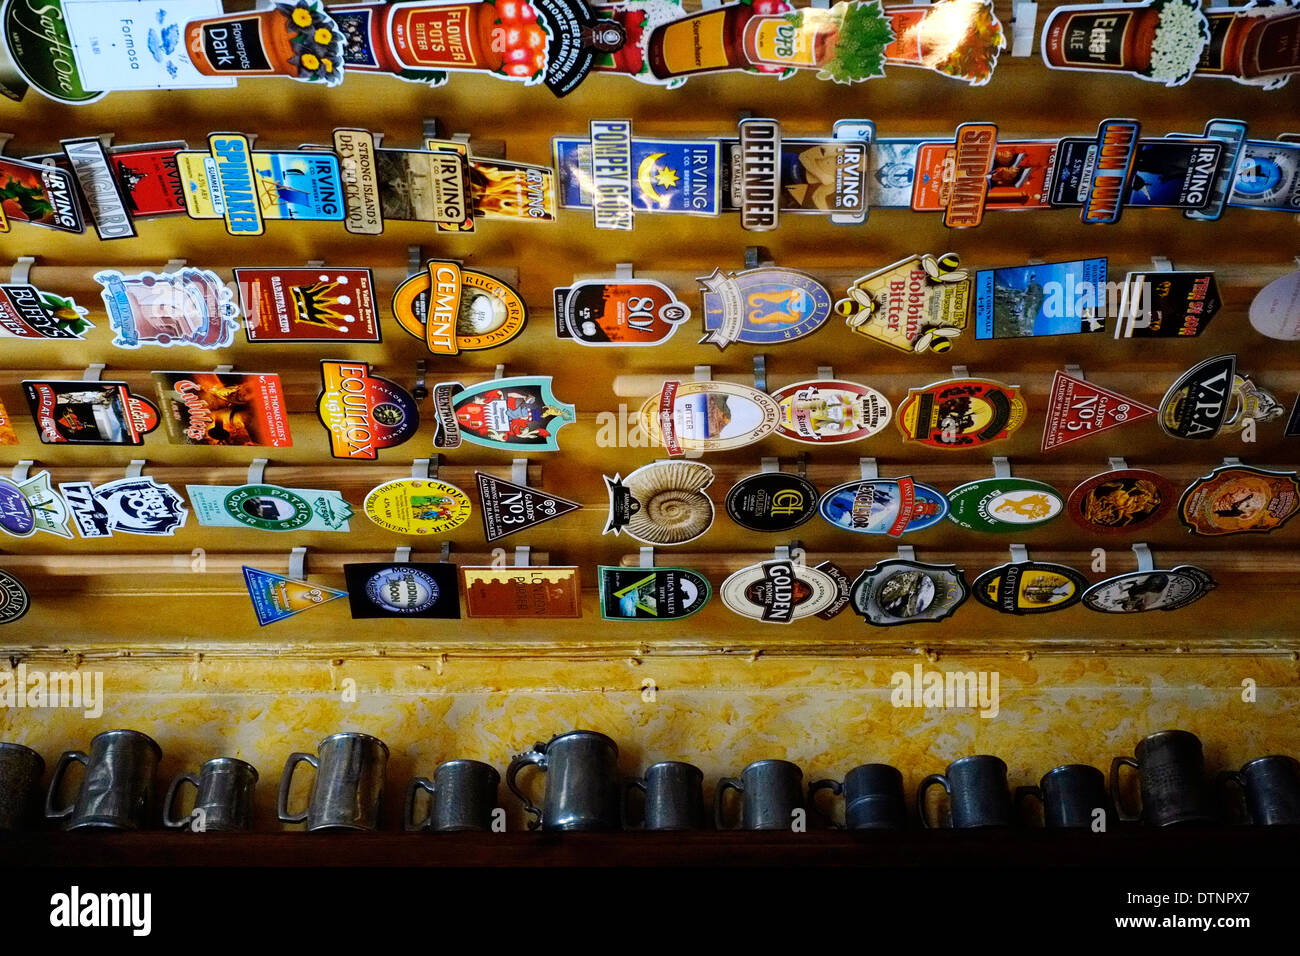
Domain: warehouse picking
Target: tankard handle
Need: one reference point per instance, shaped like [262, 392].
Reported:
[286, 781]
[725, 784]
[408, 812]
[1122, 812]
[168, 820]
[1025, 793]
[628, 787]
[835, 787]
[1224, 779]
[922, 790]
[65, 758]
[518, 762]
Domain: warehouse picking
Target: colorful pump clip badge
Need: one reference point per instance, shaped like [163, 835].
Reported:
[772, 500]
[875, 505]
[662, 503]
[1122, 500]
[453, 309]
[961, 412]
[1078, 409]
[708, 416]
[919, 303]
[651, 594]
[508, 414]
[905, 591]
[1022, 586]
[363, 413]
[1003, 503]
[779, 591]
[619, 312]
[762, 306]
[1238, 499]
[1148, 588]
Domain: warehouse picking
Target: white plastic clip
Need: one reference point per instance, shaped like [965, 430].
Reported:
[257, 471]
[623, 270]
[224, 369]
[1143, 553]
[445, 554]
[414, 260]
[760, 372]
[781, 552]
[704, 373]
[647, 558]
[402, 555]
[519, 471]
[298, 564]
[21, 272]
[1161, 264]
[801, 465]
[960, 371]
[93, 372]
[770, 465]
[906, 552]
[869, 469]
[1024, 21]
[1074, 371]
[523, 555]
[174, 265]
[431, 128]
[500, 372]
[1019, 553]
[315, 263]
[136, 468]
[426, 468]
[1117, 464]
[825, 372]
[1229, 462]
[22, 470]
[1001, 467]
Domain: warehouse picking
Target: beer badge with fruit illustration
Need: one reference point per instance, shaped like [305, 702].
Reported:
[453, 309]
[896, 591]
[661, 503]
[960, 413]
[40, 195]
[764, 306]
[651, 594]
[308, 305]
[1236, 498]
[1197, 405]
[1155, 590]
[90, 413]
[829, 412]
[1159, 40]
[507, 508]
[772, 501]
[618, 312]
[780, 591]
[1004, 503]
[362, 412]
[508, 414]
[892, 506]
[276, 597]
[1121, 501]
[1078, 409]
[708, 416]
[28, 313]
[1029, 587]
[418, 506]
[526, 592]
[185, 307]
[920, 303]
[14, 600]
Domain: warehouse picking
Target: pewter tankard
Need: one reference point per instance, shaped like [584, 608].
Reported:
[349, 787]
[223, 798]
[117, 788]
[582, 791]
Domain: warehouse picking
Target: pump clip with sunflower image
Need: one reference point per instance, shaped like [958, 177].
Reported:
[298, 40]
